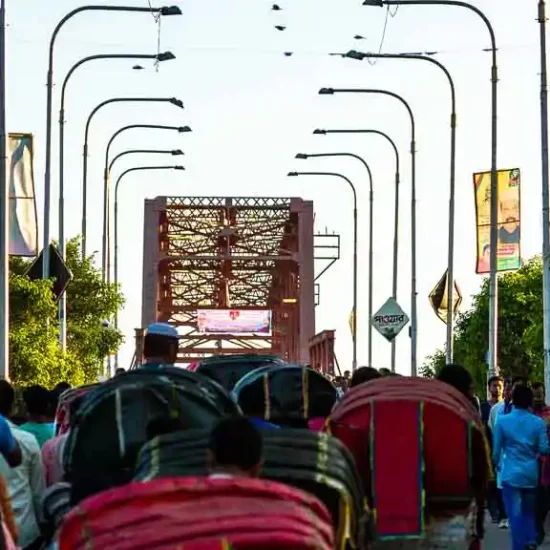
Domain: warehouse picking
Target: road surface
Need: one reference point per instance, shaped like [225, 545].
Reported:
[498, 539]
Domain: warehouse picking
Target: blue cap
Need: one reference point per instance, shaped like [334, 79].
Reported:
[162, 329]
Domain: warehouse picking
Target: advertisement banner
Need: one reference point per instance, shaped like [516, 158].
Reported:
[233, 321]
[23, 225]
[509, 228]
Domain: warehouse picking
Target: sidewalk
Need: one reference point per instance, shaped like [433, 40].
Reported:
[499, 539]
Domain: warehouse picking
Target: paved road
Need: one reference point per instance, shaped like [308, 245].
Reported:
[497, 539]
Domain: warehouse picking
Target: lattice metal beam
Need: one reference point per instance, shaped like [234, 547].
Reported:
[238, 253]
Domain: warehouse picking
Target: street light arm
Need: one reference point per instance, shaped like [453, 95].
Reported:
[376, 132]
[139, 169]
[121, 100]
[140, 151]
[331, 174]
[376, 91]
[352, 155]
[456, 3]
[353, 54]
[81, 9]
[92, 58]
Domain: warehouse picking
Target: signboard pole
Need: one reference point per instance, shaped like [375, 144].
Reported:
[4, 214]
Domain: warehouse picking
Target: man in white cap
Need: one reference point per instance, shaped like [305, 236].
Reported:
[160, 346]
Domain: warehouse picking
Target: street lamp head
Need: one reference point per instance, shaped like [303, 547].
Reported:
[326, 91]
[292, 174]
[170, 10]
[177, 102]
[377, 3]
[184, 129]
[354, 54]
[319, 132]
[138, 67]
[178, 167]
[165, 56]
[301, 156]
[176, 152]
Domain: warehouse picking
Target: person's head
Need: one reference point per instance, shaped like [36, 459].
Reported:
[459, 378]
[236, 447]
[161, 343]
[508, 389]
[509, 207]
[495, 385]
[384, 372]
[517, 381]
[38, 401]
[539, 398]
[522, 397]
[163, 425]
[362, 375]
[347, 375]
[7, 398]
[61, 387]
[119, 371]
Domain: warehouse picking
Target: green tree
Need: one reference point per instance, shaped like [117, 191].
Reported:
[35, 356]
[520, 329]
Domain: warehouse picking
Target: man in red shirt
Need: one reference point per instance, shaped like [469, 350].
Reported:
[543, 494]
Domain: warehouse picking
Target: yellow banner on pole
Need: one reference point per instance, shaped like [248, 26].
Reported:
[509, 213]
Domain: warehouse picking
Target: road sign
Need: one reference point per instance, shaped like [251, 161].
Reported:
[439, 297]
[58, 271]
[389, 320]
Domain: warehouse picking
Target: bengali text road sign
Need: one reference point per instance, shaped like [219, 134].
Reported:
[389, 320]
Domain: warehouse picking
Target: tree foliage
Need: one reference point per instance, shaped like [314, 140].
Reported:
[520, 328]
[35, 355]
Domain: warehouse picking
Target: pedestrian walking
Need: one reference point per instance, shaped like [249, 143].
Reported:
[518, 439]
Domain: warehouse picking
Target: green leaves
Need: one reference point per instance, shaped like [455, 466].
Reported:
[35, 355]
[520, 328]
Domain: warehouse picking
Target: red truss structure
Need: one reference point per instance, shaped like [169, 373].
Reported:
[243, 253]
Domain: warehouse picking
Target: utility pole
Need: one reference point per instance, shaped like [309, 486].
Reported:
[545, 193]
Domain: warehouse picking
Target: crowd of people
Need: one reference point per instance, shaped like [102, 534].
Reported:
[515, 416]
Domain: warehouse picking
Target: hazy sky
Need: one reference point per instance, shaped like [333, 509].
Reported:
[252, 109]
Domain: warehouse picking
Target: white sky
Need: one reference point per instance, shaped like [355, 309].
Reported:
[252, 109]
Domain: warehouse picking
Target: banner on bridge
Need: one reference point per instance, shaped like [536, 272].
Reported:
[23, 224]
[234, 321]
[509, 226]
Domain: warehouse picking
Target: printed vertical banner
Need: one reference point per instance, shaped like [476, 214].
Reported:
[509, 227]
[23, 223]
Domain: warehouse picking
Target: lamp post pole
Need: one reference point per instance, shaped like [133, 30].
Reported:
[350, 183]
[4, 210]
[128, 171]
[414, 318]
[173, 152]
[493, 282]
[371, 246]
[164, 10]
[62, 245]
[171, 100]
[371, 234]
[451, 231]
[545, 194]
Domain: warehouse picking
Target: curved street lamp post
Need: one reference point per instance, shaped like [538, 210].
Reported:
[165, 11]
[172, 100]
[165, 56]
[493, 283]
[119, 179]
[451, 231]
[371, 232]
[350, 183]
[173, 152]
[414, 320]
[371, 247]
